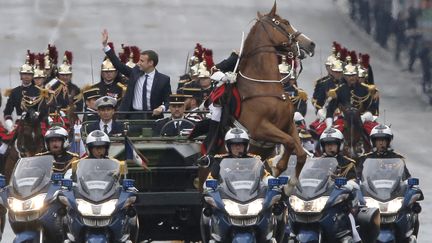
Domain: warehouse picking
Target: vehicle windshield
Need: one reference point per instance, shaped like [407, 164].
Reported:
[240, 178]
[32, 174]
[315, 176]
[381, 177]
[98, 178]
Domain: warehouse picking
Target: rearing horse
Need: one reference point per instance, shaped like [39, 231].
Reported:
[266, 111]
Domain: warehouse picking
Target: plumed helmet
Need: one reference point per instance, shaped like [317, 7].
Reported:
[381, 131]
[57, 132]
[332, 136]
[27, 67]
[66, 67]
[236, 135]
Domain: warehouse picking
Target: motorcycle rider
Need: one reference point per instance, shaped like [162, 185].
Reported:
[56, 142]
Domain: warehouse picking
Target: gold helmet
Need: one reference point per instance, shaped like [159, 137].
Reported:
[336, 48]
[363, 66]
[202, 70]
[27, 67]
[51, 56]
[39, 71]
[107, 66]
[351, 67]
[337, 66]
[66, 67]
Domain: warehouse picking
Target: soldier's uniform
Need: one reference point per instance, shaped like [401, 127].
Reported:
[193, 93]
[298, 97]
[389, 154]
[62, 162]
[114, 89]
[321, 89]
[346, 167]
[90, 93]
[174, 128]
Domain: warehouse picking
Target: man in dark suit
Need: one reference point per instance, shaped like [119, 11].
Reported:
[148, 89]
[106, 109]
[173, 127]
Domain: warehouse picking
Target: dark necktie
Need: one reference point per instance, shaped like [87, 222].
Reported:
[106, 129]
[145, 108]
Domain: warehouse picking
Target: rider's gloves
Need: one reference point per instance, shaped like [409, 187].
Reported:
[367, 116]
[291, 185]
[9, 125]
[329, 123]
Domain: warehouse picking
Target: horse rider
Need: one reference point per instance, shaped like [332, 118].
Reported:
[22, 96]
[297, 95]
[352, 93]
[381, 137]
[56, 142]
[331, 142]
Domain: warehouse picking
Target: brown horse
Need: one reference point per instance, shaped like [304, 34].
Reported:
[356, 140]
[27, 142]
[266, 111]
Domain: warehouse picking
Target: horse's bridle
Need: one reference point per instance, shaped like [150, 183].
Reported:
[276, 24]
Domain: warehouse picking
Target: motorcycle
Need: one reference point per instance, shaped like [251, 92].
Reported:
[383, 187]
[239, 206]
[319, 206]
[99, 209]
[34, 213]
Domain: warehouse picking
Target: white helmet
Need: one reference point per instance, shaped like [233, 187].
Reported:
[236, 135]
[97, 138]
[381, 131]
[332, 136]
[57, 132]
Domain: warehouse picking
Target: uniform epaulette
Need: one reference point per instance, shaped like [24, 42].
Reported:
[218, 156]
[7, 92]
[321, 80]
[302, 94]
[349, 159]
[254, 156]
[332, 93]
[122, 86]
[371, 87]
[43, 153]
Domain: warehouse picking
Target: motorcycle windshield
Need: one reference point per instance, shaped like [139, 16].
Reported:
[97, 178]
[314, 177]
[381, 177]
[31, 175]
[240, 178]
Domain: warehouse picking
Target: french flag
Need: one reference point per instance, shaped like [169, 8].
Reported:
[134, 155]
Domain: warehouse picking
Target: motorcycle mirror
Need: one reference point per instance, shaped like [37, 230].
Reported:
[57, 177]
[67, 183]
[128, 183]
[413, 181]
[2, 181]
[283, 180]
[211, 183]
[341, 181]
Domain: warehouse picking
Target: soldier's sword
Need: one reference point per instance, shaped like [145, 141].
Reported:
[91, 66]
[187, 64]
[240, 53]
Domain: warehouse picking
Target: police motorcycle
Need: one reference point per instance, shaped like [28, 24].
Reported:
[34, 212]
[99, 208]
[383, 187]
[239, 206]
[319, 206]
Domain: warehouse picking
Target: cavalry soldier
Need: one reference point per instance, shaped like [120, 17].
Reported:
[110, 84]
[192, 103]
[56, 142]
[90, 95]
[177, 109]
[297, 96]
[106, 108]
[352, 94]
[16, 95]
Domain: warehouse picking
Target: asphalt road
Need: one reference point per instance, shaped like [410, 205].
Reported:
[172, 27]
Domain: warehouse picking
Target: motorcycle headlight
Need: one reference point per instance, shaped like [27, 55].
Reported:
[89, 209]
[312, 206]
[32, 204]
[250, 209]
[389, 207]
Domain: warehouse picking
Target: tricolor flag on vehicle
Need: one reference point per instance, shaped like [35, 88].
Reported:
[134, 155]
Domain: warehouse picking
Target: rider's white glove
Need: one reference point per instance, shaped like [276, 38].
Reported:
[367, 116]
[322, 113]
[329, 123]
[231, 77]
[293, 181]
[9, 125]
